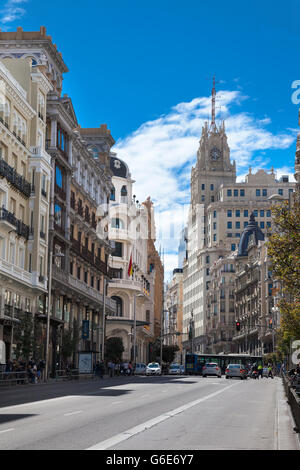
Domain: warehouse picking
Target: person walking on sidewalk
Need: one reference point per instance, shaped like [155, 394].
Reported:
[270, 372]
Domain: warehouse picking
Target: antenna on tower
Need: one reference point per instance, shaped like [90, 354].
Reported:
[213, 101]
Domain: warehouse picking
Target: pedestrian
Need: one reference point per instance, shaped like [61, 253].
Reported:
[260, 370]
[98, 371]
[8, 366]
[130, 368]
[41, 367]
[117, 369]
[270, 372]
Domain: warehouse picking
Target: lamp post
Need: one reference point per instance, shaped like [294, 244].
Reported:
[134, 327]
[103, 320]
[51, 256]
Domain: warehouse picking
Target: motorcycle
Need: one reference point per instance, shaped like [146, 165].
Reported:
[255, 374]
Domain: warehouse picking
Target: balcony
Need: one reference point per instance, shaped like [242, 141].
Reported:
[87, 255]
[60, 192]
[101, 265]
[23, 230]
[127, 284]
[14, 178]
[8, 221]
[39, 152]
[15, 272]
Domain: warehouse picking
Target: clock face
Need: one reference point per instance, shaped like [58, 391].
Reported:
[215, 153]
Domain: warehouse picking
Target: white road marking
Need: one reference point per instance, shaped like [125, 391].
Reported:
[116, 402]
[112, 441]
[73, 413]
[7, 430]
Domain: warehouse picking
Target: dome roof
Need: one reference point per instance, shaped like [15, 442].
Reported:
[118, 167]
[252, 229]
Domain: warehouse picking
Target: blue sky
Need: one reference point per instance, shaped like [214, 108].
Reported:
[145, 69]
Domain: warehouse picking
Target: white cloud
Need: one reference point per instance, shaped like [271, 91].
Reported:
[10, 12]
[160, 154]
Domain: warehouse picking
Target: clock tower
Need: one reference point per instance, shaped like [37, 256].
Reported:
[213, 165]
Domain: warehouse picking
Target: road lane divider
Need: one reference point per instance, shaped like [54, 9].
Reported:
[123, 436]
[7, 430]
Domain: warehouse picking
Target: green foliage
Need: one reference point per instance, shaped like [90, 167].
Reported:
[168, 353]
[23, 336]
[284, 251]
[114, 349]
[70, 339]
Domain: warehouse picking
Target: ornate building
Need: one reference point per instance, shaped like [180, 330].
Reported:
[80, 182]
[25, 173]
[219, 211]
[132, 285]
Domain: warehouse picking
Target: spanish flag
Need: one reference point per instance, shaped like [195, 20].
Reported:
[130, 270]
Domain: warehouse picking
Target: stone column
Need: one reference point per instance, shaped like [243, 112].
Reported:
[53, 132]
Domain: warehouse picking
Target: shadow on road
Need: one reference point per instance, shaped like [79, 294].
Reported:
[23, 394]
[10, 417]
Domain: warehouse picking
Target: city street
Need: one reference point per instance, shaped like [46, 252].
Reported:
[148, 413]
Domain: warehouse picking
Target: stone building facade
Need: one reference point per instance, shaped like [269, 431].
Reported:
[127, 227]
[219, 211]
[25, 173]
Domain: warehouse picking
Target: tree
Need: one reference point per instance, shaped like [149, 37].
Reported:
[24, 336]
[284, 252]
[114, 349]
[70, 338]
[168, 352]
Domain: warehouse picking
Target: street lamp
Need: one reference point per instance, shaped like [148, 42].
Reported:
[51, 256]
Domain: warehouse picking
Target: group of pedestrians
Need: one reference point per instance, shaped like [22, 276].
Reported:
[259, 368]
[33, 369]
[114, 369]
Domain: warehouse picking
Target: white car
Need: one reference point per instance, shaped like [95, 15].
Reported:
[140, 368]
[153, 369]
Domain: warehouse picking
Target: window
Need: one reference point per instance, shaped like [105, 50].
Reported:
[242, 193]
[245, 224]
[78, 272]
[238, 225]
[280, 192]
[229, 224]
[229, 235]
[229, 192]
[268, 213]
[257, 192]
[245, 213]
[118, 251]
[212, 199]
[262, 213]
[235, 192]
[113, 194]
[268, 224]
[203, 187]
[207, 259]
[215, 214]
[262, 225]
[229, 213]
[255, 212]
[237, 213]
[291, 190]
[215, 237]
[238, 235]
[211, 187]
[207, 271]
[233, 246]
[119, 306]
[215, 226]
[117, 223]
[58, 177]
[58, 215]
[202, 198]
[264, 192]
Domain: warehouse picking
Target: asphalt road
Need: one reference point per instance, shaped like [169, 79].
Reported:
[148, 413]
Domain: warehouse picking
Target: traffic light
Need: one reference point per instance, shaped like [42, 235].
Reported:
[237, 326]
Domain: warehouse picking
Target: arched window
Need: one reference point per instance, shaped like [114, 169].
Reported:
[119, 308]
[113, 194]
[124, 194]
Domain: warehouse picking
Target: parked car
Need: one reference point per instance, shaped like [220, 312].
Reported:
[153, 369]
[140, 368]
[236, 370]
[211, 368]
[176, 369]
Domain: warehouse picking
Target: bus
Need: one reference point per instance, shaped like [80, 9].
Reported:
[195, 362]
